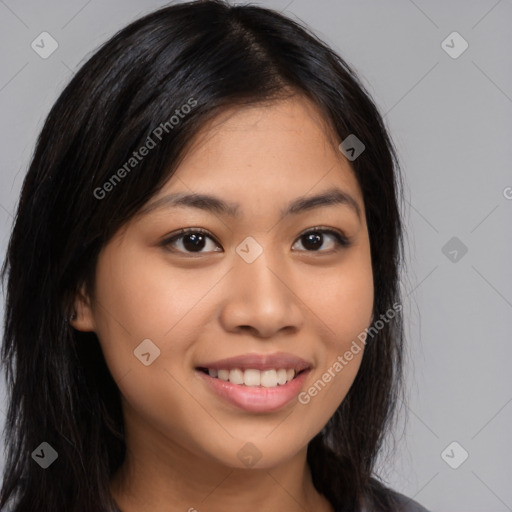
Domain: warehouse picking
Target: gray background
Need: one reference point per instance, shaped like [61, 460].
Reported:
[451, 119]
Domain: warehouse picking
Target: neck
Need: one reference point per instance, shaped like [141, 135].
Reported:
[163, 476]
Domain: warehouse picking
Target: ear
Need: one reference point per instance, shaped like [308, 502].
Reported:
[82, 318]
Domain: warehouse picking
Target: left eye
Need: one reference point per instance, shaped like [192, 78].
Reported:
[195, 240]
[314, 239]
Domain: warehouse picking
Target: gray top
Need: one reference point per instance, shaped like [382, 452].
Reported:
[405, 504]
[409, 505]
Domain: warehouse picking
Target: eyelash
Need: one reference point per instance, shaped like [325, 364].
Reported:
[341, 240]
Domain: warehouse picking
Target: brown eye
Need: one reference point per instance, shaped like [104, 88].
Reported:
[314, 240]
[190, 241]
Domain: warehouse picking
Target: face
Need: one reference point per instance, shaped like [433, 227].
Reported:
[268, 287]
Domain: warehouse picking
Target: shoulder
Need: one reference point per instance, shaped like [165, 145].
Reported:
[406, 504]
[381, 497]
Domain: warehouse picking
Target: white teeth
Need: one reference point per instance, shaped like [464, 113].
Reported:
[269, 379]
[236, 376]
[281, 377]
[251, 377]
[223, 374]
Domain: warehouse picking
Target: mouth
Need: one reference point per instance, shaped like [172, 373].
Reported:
[253, 377]
[256, 383]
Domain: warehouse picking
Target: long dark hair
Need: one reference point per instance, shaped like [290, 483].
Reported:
[210, 56]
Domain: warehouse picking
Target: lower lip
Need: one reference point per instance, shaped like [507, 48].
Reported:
[256, 398]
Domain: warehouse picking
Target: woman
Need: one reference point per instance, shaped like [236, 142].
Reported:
[203, 309]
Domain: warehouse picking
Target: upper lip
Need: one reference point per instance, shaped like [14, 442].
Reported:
[259, 362]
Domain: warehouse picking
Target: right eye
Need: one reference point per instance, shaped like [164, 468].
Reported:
[189, 240]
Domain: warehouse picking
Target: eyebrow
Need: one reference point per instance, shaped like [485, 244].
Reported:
[333, 196]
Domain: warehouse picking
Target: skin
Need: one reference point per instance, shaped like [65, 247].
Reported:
[182, 438]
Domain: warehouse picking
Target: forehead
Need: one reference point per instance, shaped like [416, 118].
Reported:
[275, 126]
[284, 145]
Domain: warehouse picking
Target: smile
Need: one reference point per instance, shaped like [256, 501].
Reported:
[256, 382]
[252, 377]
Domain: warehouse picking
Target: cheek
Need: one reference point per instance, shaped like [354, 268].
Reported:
[343, 300]
[138, 299]
[351, 305]
[135, 301]
[344, 305]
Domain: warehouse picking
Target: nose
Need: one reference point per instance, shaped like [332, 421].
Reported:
[261, 298]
